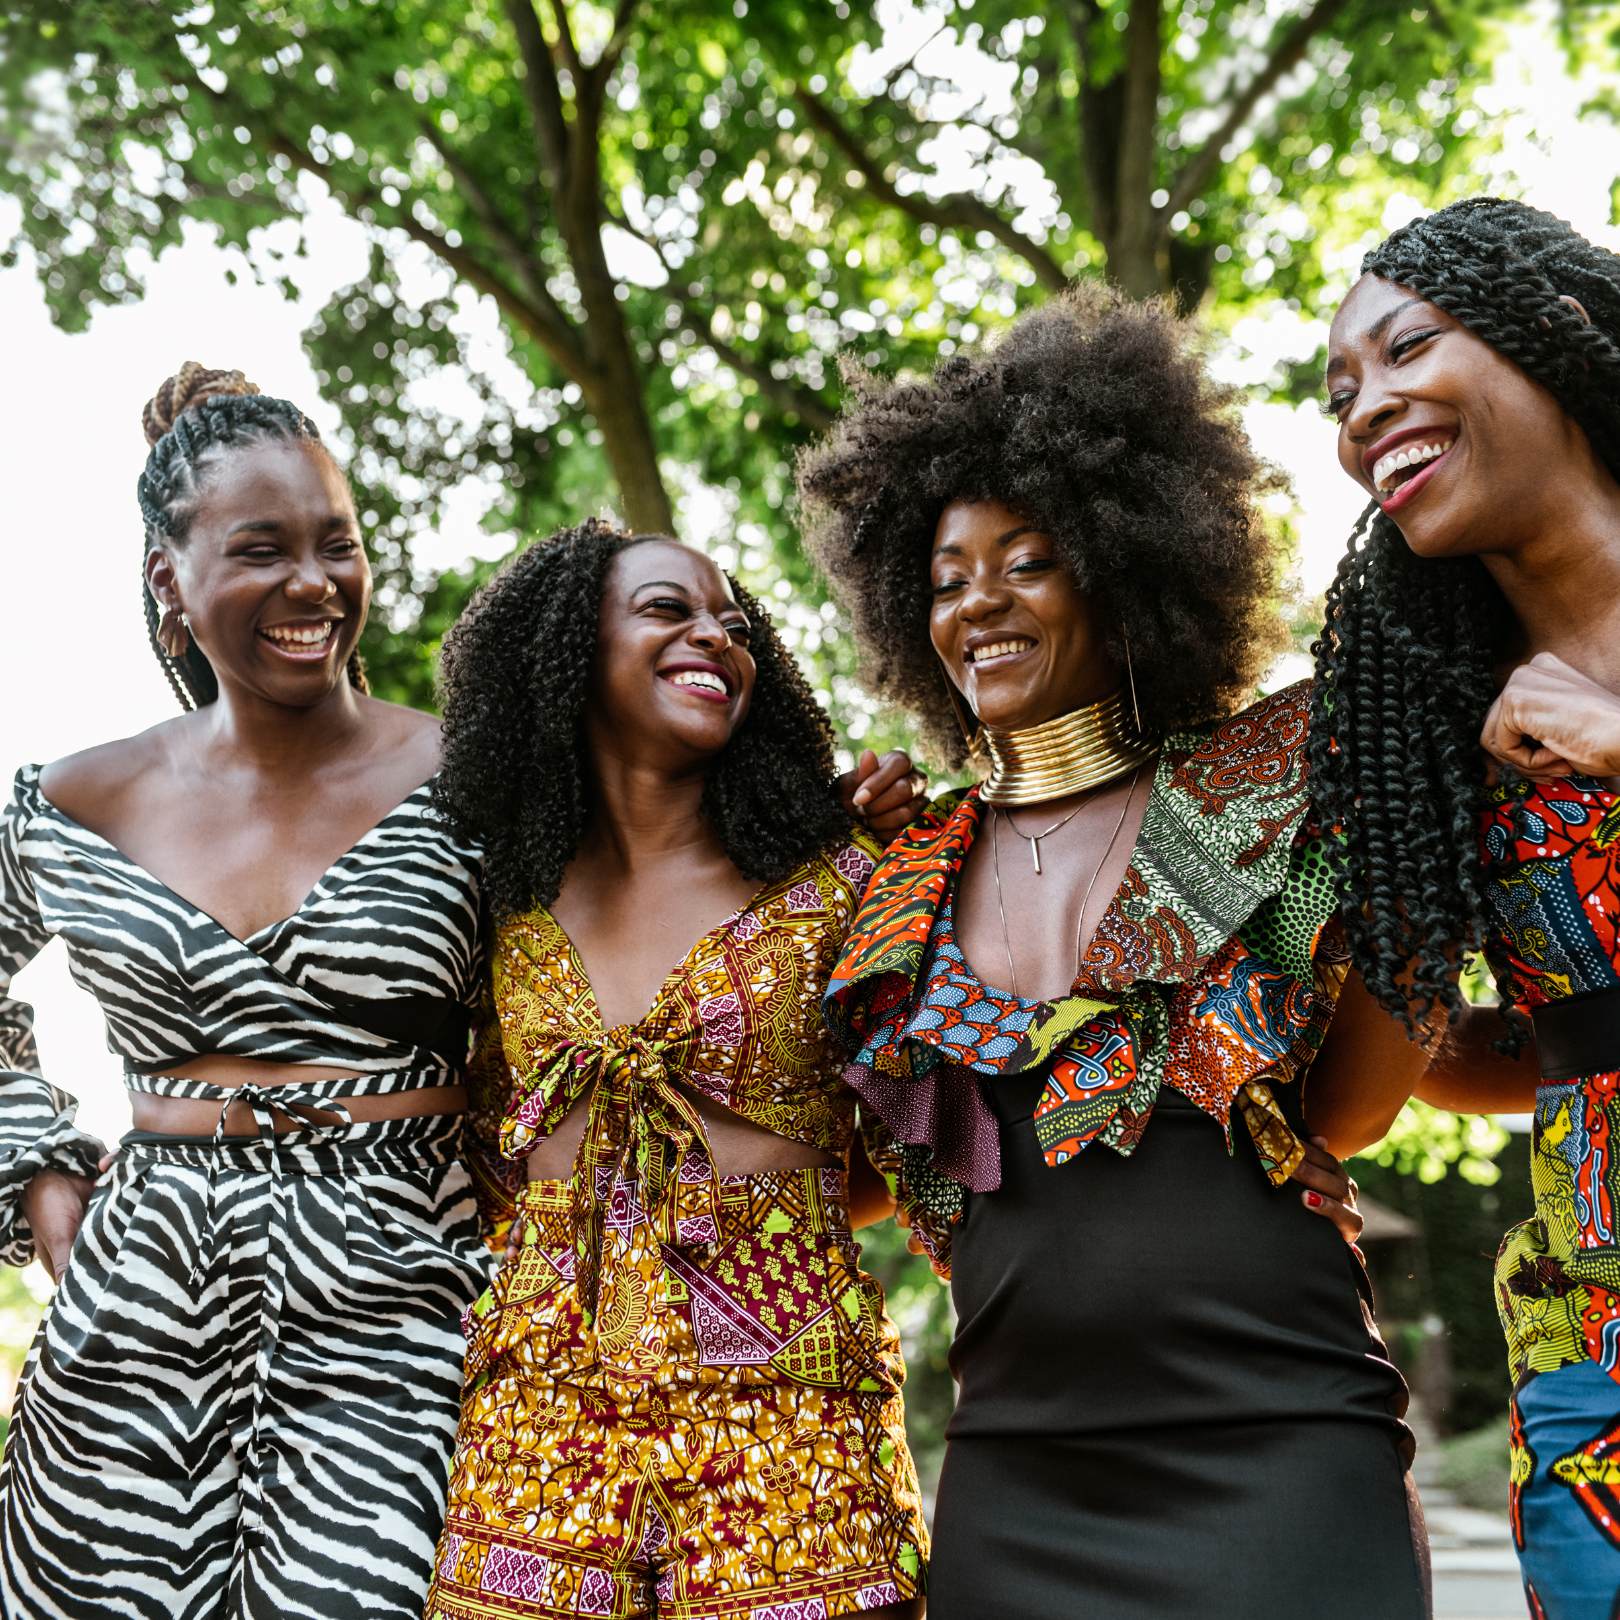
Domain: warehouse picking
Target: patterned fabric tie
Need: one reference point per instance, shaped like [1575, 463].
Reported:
[641, 1127]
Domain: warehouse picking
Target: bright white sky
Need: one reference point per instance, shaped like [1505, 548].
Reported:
[74, 665]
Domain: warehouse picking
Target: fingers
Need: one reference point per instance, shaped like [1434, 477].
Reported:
[878, 778]
[1345, 1217]
[1320, 1172]
[105, 1163]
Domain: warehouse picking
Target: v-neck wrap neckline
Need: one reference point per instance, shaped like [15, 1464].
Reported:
[376, 970]
[735, 1022]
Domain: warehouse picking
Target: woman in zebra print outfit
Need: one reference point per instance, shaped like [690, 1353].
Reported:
[242, 1399]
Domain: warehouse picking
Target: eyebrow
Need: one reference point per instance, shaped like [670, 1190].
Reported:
[333, 520]
[952, 549]
[1337, 362]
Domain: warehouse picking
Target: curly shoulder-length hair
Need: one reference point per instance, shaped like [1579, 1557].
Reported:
[1093, 419]
[514, 684]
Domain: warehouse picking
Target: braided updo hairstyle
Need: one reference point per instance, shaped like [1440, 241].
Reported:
[514, 682]
[1405, 666]
[194, 416]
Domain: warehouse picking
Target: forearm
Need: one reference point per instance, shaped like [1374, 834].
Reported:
[1469, 1076]
[1368, 1068]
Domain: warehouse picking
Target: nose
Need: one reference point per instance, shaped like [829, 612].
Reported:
[1375, 409]
[984, 595]
[310, 583]
[708, 633]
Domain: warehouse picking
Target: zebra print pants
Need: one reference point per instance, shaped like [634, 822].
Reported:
[242, 1400]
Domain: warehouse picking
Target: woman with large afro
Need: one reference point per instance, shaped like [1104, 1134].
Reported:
[1467, 744]
[1084, 994]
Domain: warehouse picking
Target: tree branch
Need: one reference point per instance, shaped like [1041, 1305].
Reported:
[958, 211]
[544, 95]
[1286, 54]
[1138, 136]
[520, 260]
[566, 43]
[557, 339]
[611, 52]
[810, 408]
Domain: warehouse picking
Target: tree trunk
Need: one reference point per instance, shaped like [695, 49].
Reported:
[620, 409]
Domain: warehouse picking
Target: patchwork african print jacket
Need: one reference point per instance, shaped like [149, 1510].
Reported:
[1554, 898]
[737, 1022]
[1213, 971]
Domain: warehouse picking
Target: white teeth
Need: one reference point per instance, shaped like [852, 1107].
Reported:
[1385, 468]
[998, 649]
[300, 636]
[699, 678]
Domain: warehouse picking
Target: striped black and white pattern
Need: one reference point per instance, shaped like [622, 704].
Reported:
[242, 1399]
[394, 917]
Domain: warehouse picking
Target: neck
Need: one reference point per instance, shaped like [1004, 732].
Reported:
[1071, 754]
[271, 737]
[1564, 588]
[642, 813]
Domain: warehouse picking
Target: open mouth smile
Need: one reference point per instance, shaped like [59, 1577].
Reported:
[1000, 651]
[305, 643]
[701, 680]
[1402, 471]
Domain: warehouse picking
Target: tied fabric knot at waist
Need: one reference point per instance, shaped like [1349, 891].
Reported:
[641, 1129]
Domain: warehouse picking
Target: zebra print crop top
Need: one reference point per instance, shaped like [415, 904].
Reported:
[376, 970]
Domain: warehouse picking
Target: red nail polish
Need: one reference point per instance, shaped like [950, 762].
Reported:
[1314, 1199]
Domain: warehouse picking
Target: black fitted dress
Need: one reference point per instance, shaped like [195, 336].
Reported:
[1223, 1436]
[1173, 1403]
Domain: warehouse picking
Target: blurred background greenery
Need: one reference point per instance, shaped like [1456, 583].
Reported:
[614, 248]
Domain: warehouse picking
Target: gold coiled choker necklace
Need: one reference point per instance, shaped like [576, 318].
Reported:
[1076, 751]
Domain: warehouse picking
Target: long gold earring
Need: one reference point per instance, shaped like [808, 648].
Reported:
[174, 633]
[967, 721]
[1130, 676]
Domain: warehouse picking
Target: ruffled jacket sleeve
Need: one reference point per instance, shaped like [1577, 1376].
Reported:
[37, 1131]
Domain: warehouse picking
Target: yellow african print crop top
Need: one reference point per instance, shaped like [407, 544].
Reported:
[737, 1021]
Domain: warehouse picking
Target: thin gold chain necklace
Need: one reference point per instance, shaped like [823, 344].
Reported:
[1085, 899]
[1076, 751]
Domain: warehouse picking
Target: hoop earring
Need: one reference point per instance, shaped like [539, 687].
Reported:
[174, 634]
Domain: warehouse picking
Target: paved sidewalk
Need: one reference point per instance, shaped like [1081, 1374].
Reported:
[1476, 1573]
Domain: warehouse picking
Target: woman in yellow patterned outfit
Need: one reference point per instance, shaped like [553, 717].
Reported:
[682, 1395]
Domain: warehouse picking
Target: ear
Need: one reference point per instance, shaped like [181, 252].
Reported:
[1576, 305]
[160, 580]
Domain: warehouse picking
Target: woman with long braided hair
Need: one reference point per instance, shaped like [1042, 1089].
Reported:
[242, 1397]
[1466, 743]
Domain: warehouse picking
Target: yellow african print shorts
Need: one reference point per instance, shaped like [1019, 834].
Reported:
[726, 1443]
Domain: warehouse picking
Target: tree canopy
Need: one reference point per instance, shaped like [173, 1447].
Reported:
[682, 212]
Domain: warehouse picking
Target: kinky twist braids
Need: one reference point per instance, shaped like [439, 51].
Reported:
[194, 417]
[1405, 665]
[514, 683]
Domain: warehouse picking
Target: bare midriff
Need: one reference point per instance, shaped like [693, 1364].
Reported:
[198, 1116]
[737, 1146]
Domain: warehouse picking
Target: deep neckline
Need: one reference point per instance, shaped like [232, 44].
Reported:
[576, 962]
[244, 940]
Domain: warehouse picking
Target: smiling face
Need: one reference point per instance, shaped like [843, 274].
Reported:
[1017, 637]
[673, 676]
[272, 573]
[1452, 439]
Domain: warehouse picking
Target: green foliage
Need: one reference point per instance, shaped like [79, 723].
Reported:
[641, 234]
